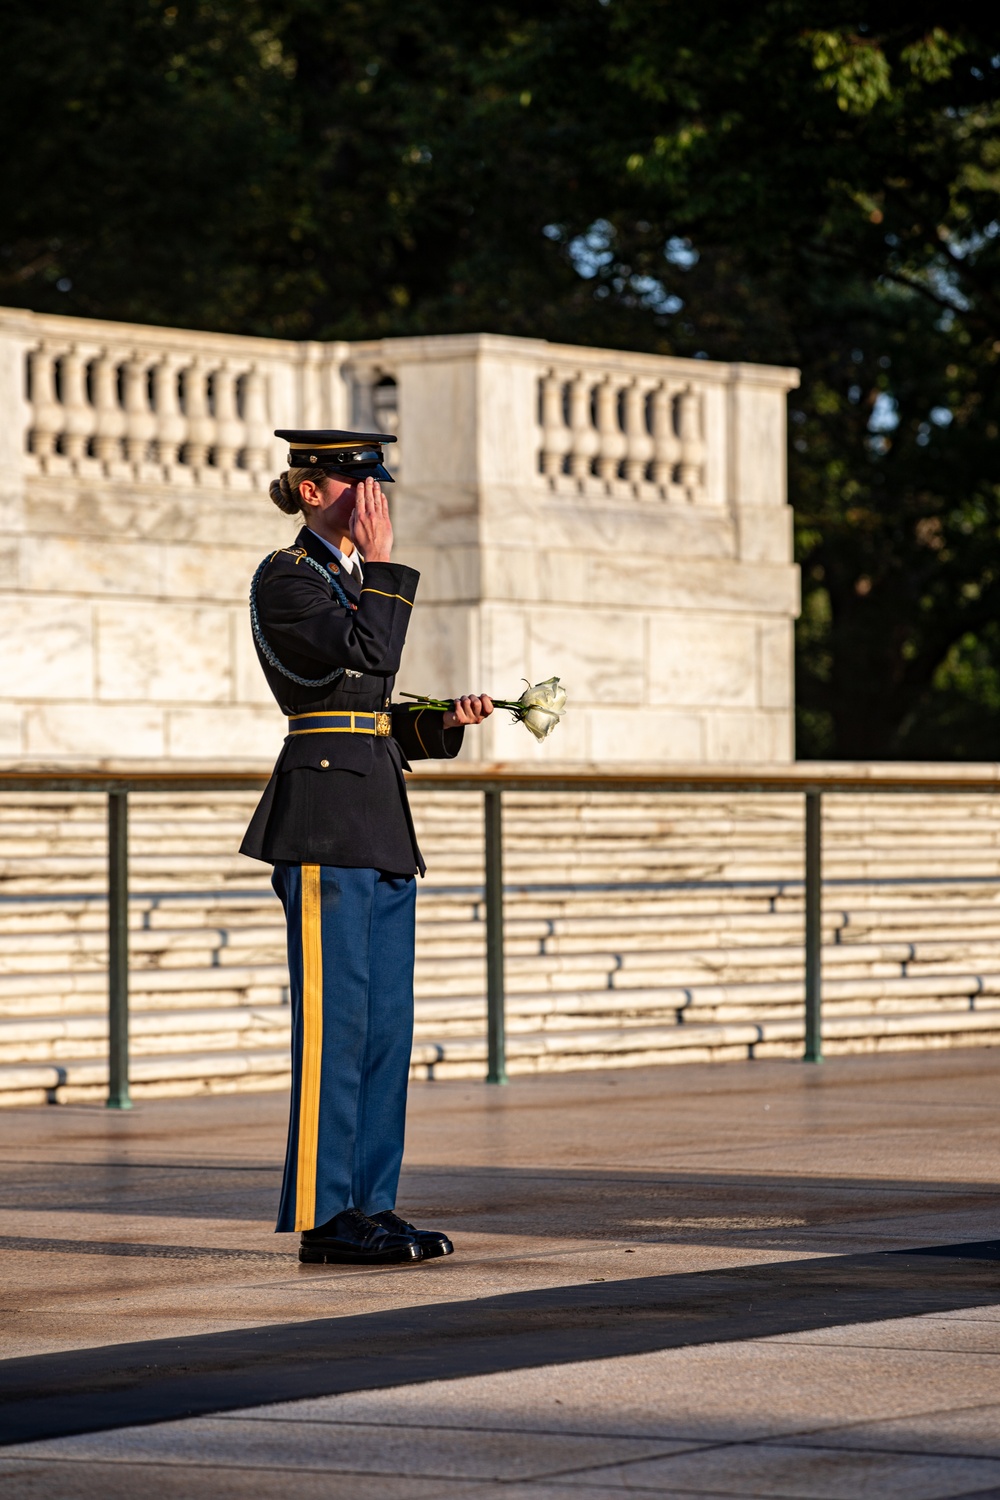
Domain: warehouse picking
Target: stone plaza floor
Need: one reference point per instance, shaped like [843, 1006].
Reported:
[755, 1279]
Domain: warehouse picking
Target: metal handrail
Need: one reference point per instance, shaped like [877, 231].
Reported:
[809, 779]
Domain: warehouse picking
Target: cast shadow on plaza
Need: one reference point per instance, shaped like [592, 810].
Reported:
[158, 1380]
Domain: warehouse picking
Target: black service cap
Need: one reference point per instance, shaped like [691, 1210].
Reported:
[353, 455]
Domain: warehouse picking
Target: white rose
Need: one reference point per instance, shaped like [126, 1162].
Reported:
[542, 707]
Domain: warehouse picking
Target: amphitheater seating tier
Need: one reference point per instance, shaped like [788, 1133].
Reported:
[640, 928]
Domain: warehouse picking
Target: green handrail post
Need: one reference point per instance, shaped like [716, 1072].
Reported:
[118, 1090]
[814, 928]
[496, 1068]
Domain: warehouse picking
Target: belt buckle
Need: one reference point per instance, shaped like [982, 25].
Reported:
[383, 724]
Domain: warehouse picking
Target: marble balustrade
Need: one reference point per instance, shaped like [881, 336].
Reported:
[616, 518]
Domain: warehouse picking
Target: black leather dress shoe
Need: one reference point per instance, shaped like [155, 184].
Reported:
[352, 1238]
[431, 1241]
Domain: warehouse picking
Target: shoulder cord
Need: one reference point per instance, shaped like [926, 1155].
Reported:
[258, 633]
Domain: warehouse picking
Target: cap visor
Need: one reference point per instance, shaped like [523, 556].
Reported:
[363, 471]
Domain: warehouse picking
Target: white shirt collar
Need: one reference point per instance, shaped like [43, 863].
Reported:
[352, 563]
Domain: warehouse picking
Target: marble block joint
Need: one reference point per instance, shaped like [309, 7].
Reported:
[619, 519]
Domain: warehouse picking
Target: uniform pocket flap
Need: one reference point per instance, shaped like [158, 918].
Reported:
[324, 752]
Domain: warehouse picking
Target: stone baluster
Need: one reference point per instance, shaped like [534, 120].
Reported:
[78, 415]
[692, 449]
[311, 372]
[140, 423]
[638, 443]
[171, 428]
[666, 449]
[228, 427]
[109, 419]
[611, 447]
[583, 435]
[554, 434]
[385, 407]
[47, 414]
[255, 454]
[200, 424]
[363, 378]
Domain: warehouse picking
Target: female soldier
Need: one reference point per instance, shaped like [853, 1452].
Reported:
[329, 616]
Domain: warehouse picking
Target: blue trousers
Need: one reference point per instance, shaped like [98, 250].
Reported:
[350, 961]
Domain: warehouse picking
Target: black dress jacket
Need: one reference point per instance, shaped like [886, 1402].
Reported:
[340, 799]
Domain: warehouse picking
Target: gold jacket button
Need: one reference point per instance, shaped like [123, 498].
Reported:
[324, 764]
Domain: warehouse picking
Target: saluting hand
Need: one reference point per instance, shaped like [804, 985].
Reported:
[472, 709]
[371, 529]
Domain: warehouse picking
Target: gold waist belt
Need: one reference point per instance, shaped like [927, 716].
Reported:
[336, 721]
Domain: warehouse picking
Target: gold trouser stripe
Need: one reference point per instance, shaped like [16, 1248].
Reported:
[312, 1049]
[367, 590]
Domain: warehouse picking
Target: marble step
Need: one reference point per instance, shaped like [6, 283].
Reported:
[646, 944]
[963, 930]
[256, 974]
[25, 835]
[538, 1010]
[80, 1080]
[455, 965]
[176, 874]
[849, 908]
[239, 1017]
[530, 912]
[607, 816]
[463, 944]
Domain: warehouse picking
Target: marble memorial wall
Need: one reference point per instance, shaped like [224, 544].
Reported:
[617, 519]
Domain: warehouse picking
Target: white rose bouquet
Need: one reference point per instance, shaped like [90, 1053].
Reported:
[539, 708]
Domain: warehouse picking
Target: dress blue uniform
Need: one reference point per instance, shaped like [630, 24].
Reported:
[335, 823]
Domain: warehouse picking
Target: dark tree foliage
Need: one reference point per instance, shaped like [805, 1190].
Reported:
[808, 184]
